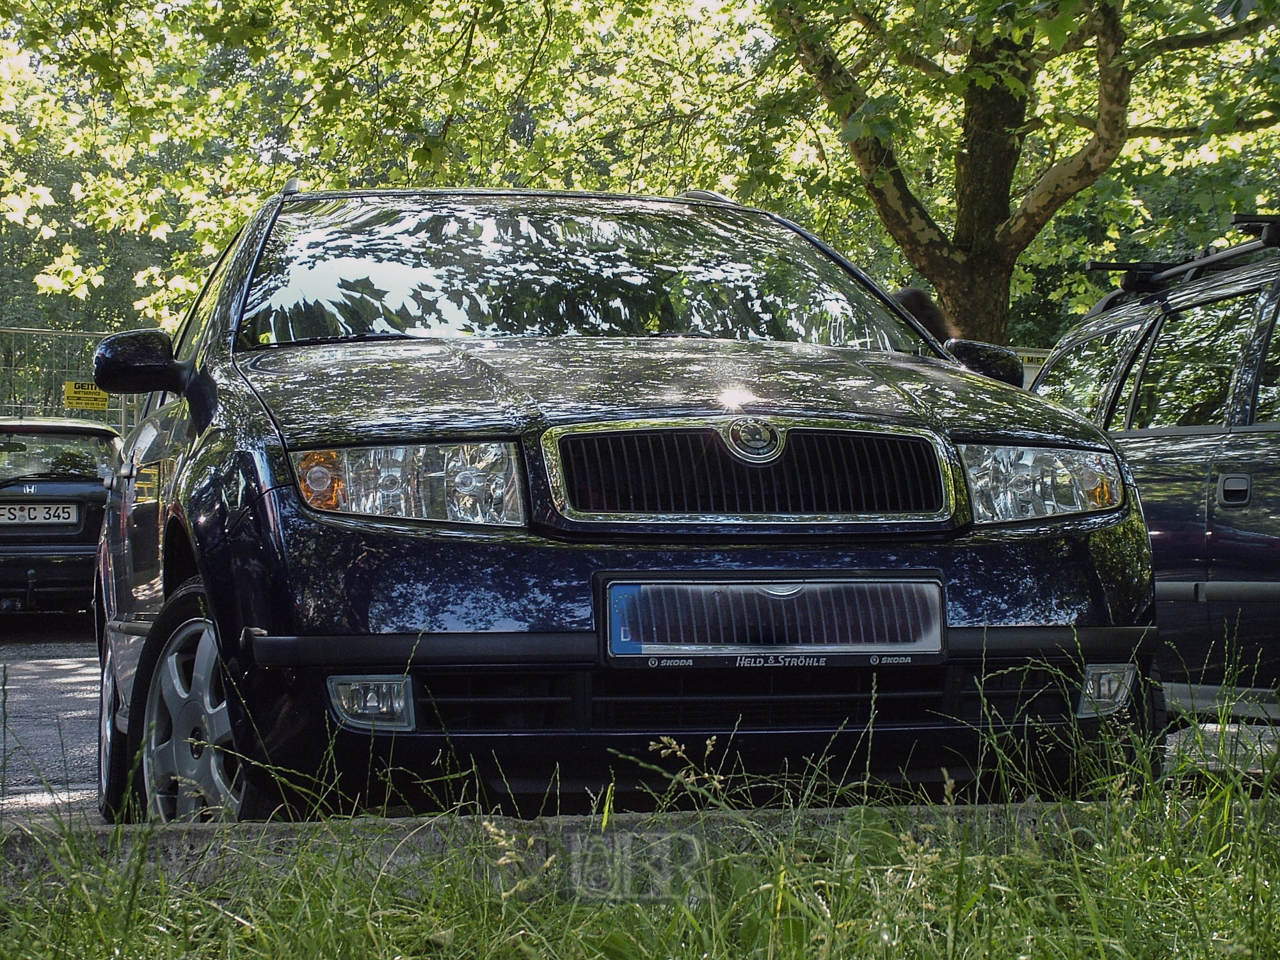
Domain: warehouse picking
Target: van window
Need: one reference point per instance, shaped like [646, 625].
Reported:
[1078, 377]
[1268, 406]
[1188, 377]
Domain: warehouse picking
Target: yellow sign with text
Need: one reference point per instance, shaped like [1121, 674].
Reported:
[79, 395]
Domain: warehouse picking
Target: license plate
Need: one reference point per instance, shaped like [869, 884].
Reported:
[37, 514]
[810, 622]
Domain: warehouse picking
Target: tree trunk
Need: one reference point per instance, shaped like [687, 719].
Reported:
[991, 145]
[976, 297]
[974, 290]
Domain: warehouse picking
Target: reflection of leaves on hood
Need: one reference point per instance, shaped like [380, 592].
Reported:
[551, 266]
[364, 287]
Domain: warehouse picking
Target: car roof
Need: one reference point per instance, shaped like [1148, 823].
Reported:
[486, 193]
[55, 425]
[1137, 306]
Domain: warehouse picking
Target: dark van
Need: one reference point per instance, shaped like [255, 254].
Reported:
[1181, 366]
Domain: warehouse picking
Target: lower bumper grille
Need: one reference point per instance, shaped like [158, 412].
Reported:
[608, 701]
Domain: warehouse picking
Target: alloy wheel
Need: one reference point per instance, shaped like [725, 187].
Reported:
[189, 763]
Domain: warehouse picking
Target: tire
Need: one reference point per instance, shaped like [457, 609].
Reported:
[180, 722]
[113, 759]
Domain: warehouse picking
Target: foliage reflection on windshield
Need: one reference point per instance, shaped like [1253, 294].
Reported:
[545, 266]
[54, 455]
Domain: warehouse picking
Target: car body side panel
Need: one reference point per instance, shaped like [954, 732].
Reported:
[138, 509]
[207, 492]
[1243, 587]
[190, 469]
[1174, 498]
[1215, 563]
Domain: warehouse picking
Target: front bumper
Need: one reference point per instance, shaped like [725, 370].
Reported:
[398, 652]
[503, 641]
[531, 712]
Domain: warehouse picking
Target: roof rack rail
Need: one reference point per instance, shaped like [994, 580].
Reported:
[706, 195]
[1138, 275]
[1264, 226]
[1150, 276]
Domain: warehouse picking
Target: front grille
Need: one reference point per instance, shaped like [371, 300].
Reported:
[710, 700]
[690, 472]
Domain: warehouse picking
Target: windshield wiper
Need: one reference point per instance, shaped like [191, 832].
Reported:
[47, 475]
[700, 334]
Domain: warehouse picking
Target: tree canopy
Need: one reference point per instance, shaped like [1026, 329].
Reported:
[1036, 102]
[991, 141]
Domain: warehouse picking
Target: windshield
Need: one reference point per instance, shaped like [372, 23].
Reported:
[55, 455]
[495, 266]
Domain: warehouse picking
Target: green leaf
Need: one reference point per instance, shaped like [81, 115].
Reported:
[875, 120]
[1056, 31]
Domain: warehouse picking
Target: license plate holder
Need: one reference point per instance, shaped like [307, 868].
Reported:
[796, 622]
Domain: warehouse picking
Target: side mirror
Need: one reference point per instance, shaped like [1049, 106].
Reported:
[998, 363]
[139, 361]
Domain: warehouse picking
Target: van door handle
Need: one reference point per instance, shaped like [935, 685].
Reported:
[1234, 489]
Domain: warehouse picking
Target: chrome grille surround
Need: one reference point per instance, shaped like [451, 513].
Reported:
[551, 451]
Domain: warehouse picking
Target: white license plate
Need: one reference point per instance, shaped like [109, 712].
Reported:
[35, 514]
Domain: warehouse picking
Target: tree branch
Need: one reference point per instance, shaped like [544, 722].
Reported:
[906, 219]
[1241, 125]
[1248, 124]
[904, 58]
[1069, 176]
[548, 14]
[1199, 41]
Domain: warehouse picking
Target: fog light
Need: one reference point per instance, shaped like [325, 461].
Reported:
[381, 703]
[1106, 688]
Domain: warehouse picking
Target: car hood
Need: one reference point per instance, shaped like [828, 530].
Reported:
[400, 390]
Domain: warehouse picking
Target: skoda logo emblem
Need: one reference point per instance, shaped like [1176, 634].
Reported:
[754, 440]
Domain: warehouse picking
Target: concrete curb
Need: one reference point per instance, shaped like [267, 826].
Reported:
[632, 857]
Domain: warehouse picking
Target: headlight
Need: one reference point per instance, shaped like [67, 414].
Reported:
[458, 482]
[1022, 483]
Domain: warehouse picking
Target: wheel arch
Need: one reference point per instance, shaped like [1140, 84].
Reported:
[179, 556]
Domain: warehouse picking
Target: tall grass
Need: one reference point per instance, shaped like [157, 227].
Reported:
[1182, 865]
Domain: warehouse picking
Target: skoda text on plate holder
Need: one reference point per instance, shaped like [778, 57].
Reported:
[880, 620]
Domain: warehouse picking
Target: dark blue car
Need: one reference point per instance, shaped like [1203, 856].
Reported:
[519, 484]
[1181, 365]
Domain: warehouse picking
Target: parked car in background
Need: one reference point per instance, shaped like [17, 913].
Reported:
[51, 498]
[522, 483]
[1182, 366]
